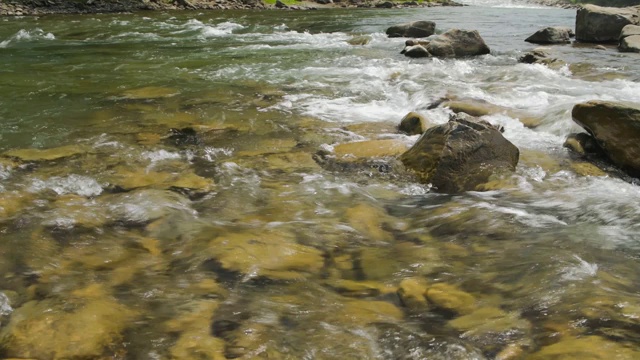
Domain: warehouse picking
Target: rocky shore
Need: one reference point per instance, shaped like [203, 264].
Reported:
[40, 7]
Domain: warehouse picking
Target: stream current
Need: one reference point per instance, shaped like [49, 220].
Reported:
[227, 239]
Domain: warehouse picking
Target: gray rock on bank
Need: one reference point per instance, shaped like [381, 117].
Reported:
[416, 29]
[460, 155]
[616, 129]
[551, 35]
[630, 39]
[604, 24]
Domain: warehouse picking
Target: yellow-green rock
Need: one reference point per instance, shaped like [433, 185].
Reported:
[368, 221]
[71, 329]
[411, 293]
[194, 328]
[45, 154]
[450, 298]
[370, 149]
[586, 348]
[587, 169]
[269, 253]
[359, 288]
[489, 320]
[363, 312]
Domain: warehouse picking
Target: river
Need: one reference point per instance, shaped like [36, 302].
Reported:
[227, 240]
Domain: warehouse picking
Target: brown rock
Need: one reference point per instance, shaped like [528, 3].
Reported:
[616, 129]
[460, 155]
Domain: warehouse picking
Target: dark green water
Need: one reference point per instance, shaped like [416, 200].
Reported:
[133, 242]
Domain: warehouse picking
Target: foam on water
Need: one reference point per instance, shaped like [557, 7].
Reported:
[27, 35]
[72, 184]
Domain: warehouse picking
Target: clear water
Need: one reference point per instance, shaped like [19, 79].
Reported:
[276, 87]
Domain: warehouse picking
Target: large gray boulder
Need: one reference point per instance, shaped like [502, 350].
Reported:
[603, 24]
[616, 129]
[460, 155]
[551, 35]
[630, 39]
[457, 43]
[416, 29]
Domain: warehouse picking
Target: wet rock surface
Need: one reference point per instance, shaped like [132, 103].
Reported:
[460, 155]
[551, 35]
[616, 128]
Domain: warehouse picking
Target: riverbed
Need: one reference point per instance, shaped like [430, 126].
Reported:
[162, 195]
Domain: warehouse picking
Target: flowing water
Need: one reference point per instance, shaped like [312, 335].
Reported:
[226, 239]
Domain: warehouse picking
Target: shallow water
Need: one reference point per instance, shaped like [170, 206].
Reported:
[234, 242]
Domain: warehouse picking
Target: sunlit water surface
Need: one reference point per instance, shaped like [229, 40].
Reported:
[263, 253]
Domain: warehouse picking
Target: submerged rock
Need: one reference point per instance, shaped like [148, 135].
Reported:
[45, 154]
[541, 56]
[457, 43]
[460, 155]
[370, 149]
[411, 292]
[148, 93]
[272, 254]
[588, 347]
[616, 129]
[551, 35]
[451, 299]
[359, 40]
[415, 29]
[603, 24]
[478, 107]
[73, 329]
[630, 39]
[492, 328]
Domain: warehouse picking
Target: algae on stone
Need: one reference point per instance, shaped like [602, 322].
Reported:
[449, 298]
[270, 253]
[45, 154]
[47, 330]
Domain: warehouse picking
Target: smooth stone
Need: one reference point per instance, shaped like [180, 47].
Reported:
[12, 203]
[135, 179]
[587, 169]
[370, 149]
[629, 30]
[411, 293]
[551, 35]
[478, 107]
[368, 221]
[353, 288]
[630, 44]
[616, 129]
[45, 154]
[272, 254]
[457, 43]
[489, 320]
[364, 312]
[39, 329]
[460, 155]
[585, 348]
[451, 299]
